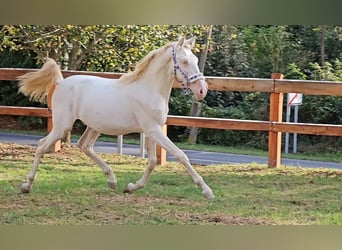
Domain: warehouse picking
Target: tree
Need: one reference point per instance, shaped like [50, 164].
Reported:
[92, 47]
[322, 43]
[196, 105]
[269, 47]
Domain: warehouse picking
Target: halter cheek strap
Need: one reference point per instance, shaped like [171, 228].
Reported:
[188, 80]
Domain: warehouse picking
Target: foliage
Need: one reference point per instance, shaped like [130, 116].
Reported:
[179, 104]
[92, 47]
[308, 36]
[319, 109]
[228, 54]
[230, 137]
[289, 49]
[9, 92]
[272, 48]
[222, 137]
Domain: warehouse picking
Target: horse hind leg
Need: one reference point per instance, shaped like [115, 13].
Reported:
[86, 144]
[43, 147]
[152, 160]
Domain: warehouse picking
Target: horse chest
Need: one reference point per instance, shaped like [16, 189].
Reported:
[154, 110]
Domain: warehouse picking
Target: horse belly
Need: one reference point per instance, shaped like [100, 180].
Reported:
[110, 123]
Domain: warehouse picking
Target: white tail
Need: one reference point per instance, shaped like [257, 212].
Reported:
[37, 84]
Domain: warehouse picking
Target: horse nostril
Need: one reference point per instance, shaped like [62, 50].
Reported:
[201, 91]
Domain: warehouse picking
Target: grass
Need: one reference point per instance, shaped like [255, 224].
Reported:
[132, 139]
[70, 189]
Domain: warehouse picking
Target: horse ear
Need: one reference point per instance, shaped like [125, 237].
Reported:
[192, 42]
[180, 42]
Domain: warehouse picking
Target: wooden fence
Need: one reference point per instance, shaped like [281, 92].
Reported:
[276, 86]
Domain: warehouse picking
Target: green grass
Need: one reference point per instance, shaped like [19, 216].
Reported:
[70, 189]
[132, 139]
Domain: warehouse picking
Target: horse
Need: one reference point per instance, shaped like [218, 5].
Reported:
[137, 102]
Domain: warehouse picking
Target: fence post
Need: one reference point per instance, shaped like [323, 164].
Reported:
[119, 143]
[57, 146]
[161, 152]
[274, 137]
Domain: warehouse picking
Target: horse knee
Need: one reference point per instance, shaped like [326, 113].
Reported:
[42, 148]
[182, 157]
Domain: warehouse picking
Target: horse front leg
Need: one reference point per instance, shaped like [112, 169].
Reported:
[166, 143]
[152, 160]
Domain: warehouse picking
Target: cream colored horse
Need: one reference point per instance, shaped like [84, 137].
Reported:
[137, 102]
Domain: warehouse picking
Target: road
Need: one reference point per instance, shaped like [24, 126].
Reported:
[196, 157]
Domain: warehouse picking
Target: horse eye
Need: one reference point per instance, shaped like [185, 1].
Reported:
[185, 62]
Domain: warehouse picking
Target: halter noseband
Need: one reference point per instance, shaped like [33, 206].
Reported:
[188, 80]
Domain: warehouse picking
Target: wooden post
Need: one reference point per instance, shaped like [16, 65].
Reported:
[276, 114]
[57, 146]
[161, 152]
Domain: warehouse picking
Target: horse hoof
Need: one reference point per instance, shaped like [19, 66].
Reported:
[112, 185]
[25, 188]
[127, 191]
[128, 188]
[208, 194]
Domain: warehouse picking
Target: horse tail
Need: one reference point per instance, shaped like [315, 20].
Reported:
[37, 84]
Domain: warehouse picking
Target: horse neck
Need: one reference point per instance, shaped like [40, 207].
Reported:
[159, 74]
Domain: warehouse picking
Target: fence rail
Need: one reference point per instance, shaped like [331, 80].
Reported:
[235, 124]
[276, 86]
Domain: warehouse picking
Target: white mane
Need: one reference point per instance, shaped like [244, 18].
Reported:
[144, 64]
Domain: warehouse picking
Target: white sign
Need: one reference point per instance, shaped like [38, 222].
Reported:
[294, 99]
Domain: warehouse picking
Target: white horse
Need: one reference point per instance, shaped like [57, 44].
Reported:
[137, 102]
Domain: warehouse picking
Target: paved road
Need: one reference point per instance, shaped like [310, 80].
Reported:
[196, 157]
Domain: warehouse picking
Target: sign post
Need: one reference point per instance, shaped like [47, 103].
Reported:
[293, 100]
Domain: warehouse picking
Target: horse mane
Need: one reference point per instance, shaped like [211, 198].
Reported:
[143, 64]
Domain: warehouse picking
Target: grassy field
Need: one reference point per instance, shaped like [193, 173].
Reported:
[70, 189]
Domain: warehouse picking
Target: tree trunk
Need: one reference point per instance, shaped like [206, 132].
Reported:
[322, 43]
[196, 106]
[66, 61]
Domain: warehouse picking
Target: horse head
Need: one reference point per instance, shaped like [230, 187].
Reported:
[186, 69]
